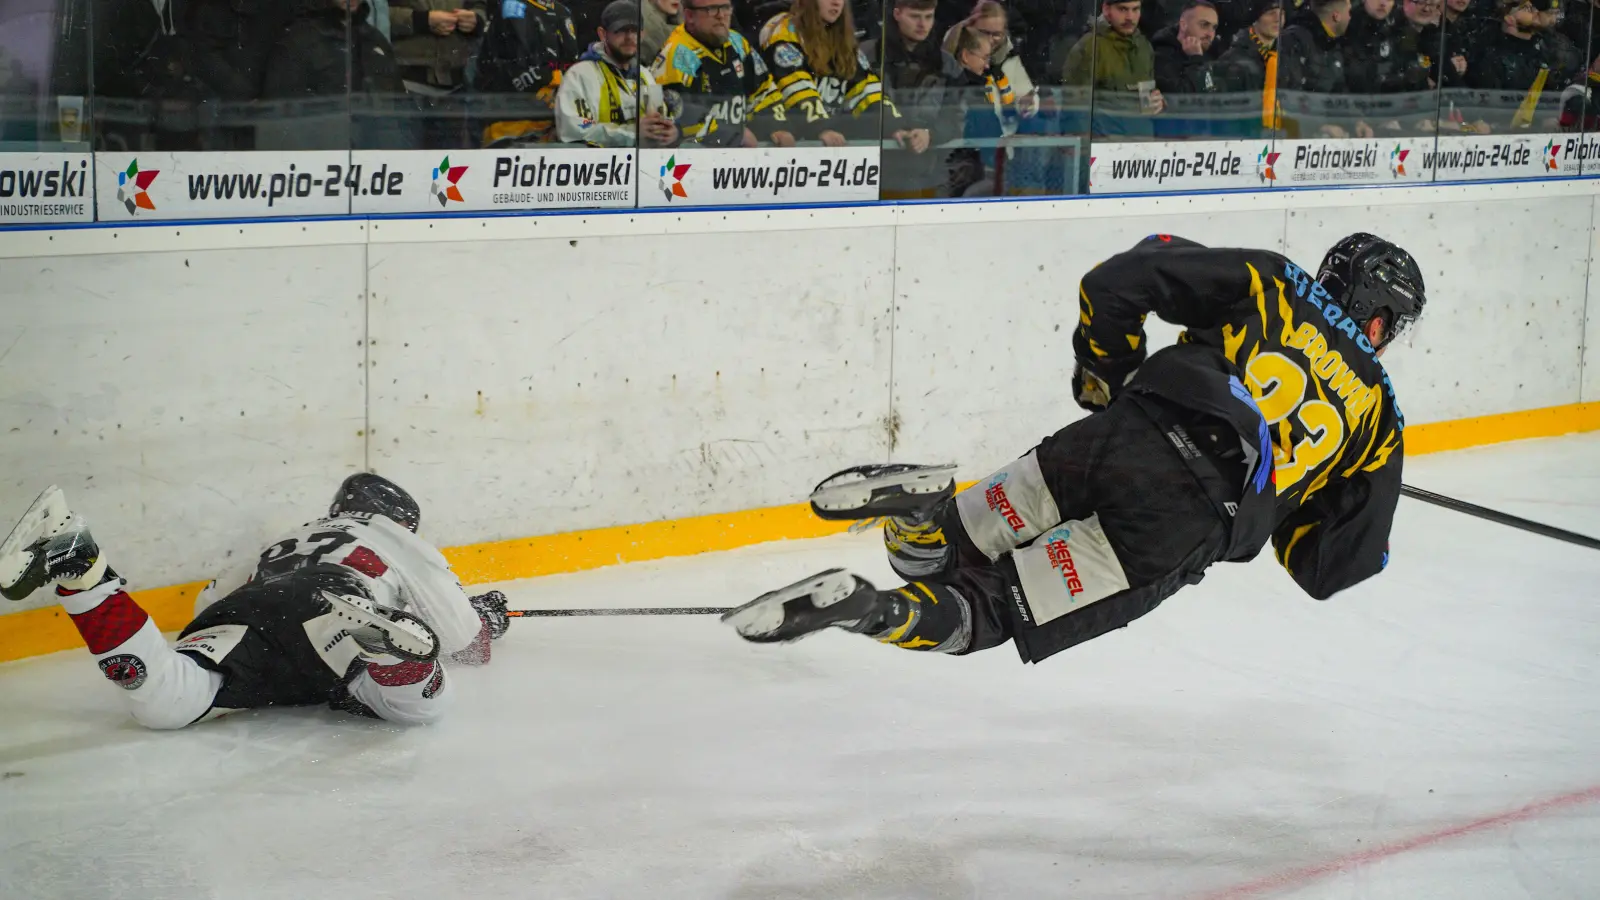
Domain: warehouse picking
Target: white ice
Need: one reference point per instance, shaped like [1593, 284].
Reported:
[1434, 734]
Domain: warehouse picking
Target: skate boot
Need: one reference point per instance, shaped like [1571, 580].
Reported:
[872, 493]
[50, 544]
[831, 598]
[386, 633]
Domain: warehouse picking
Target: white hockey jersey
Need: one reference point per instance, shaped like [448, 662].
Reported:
[414, 572]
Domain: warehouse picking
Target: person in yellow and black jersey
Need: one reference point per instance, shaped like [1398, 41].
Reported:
[827, 83]
[1307, 348]
[525, 50]
[717, 90]
[1271, 420]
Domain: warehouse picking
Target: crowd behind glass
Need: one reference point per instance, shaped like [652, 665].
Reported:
[954, 91]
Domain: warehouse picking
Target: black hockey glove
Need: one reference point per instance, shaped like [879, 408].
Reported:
[1095, 385]
[491, 609]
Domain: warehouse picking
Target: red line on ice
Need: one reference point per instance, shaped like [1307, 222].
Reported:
[1306, 874]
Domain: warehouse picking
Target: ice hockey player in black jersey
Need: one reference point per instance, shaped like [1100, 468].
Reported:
[353, 611]
[1270, 419]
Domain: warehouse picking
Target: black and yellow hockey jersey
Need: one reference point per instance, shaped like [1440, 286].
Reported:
[714, 94]
[1335, 425]
[527, 46]
[850, 106]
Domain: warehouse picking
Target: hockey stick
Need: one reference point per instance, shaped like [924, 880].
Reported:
[636, 611]
[1559, 534]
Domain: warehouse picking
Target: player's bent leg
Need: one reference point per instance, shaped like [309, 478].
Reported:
[163, 689]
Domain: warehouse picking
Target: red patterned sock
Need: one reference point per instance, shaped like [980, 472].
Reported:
[108, 625]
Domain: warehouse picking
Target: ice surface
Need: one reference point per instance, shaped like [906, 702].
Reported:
[1435, 733]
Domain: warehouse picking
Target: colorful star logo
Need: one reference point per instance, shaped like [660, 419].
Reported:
[676, 172]
[1265, 160]
[1397, 160]
[1552, 150]
[132, 187]
[444, 172]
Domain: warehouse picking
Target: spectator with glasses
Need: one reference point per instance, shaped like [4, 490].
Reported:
[717, 89]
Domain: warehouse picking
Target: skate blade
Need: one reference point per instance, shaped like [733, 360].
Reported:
[854, 491]
[764, 616]
[408, 636]
[44, 519]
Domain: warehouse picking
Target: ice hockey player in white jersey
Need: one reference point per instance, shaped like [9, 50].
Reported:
[353, 610]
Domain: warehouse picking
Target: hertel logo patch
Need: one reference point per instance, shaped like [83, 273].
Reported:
[998, 502]
[1061, 560]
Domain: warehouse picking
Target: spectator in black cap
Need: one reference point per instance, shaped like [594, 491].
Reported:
[599, 100]
[1253, 55]
[1519, 59]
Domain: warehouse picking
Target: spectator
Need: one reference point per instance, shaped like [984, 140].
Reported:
[1251, 63]
[660, 18]
[717, 89]
[599, 99]
[1376, 62]
[829, 91]
[1184, 64]
[991, 20]
[914, 77]
[527, 47]
[433, 42]
[1313, 48]
[1117, 60]
[977, 92]
[1518, 59]
[315, 57]
[1421, 41]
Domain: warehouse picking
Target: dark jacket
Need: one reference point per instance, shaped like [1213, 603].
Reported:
[435, 59]
[311, 54]
[1382, 55]
[1310, 59]
[1179, 73]
[1244, 65]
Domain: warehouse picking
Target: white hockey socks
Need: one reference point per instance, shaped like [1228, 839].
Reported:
[162, 688]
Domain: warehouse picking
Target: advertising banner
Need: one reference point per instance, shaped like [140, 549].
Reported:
[1483, 157]
[711, 176]
[222, 185]
[1321, 162]
[435, 181]
[45, 187]
[1153, 166]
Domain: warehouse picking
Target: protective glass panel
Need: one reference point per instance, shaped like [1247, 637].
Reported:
[1358, 94]
[980, 107]
[1183, 94]
[45, 110]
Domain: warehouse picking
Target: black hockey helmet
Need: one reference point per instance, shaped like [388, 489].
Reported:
[1369, 276]
[365, 492]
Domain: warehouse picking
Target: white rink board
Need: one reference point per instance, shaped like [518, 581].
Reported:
[626, 379]
[984, 320]
[187, 403]
[540, 374]
[1501, 329]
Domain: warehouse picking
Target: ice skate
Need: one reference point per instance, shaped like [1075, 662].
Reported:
[872, 493]
[385, 632]
[831, 598]
[49, 544]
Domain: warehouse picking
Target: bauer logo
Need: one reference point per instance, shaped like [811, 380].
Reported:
[125, 670]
